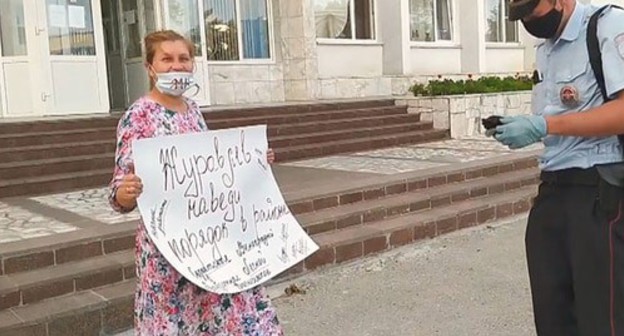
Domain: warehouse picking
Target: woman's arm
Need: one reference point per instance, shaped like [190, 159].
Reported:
[127, 131]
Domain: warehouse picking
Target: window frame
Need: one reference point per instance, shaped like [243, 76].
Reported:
[503, 17]
[242, 60]
[453, 42]
[26, 40]
[354, 40]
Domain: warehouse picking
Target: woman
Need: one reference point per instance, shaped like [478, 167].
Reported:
[165, 302]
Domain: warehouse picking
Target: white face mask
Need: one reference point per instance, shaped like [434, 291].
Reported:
[175, 83]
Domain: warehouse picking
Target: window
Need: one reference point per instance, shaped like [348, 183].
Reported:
[12, 28]
[431, 20]
[498, 26]
[184, 18]
[334, 19]
[235, 25]
[70, 27]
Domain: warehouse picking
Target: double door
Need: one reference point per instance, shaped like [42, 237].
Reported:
[50, 62]
[126, 23]
[73, 57]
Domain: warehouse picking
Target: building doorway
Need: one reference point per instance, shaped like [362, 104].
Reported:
[126, 22]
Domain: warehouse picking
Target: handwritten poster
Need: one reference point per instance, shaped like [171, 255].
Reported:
[212, 207]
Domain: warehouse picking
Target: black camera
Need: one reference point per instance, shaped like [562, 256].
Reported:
[491, 122]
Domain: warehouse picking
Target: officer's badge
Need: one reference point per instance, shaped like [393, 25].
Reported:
[569, 96]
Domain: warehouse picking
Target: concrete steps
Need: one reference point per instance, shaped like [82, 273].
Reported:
[41, 156]
[82, 283]
[358, 144]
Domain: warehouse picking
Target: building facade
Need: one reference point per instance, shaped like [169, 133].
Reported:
[76, 57]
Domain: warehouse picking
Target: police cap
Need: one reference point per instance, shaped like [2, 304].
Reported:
[521, 8]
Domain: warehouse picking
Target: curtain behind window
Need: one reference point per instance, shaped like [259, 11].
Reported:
[221, 22]
[493, 24]
[421, 20]
[332, 18]
[444, 20]
[255, 28]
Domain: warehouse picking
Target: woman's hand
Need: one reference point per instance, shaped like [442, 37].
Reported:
[129, 190]
[270, 156]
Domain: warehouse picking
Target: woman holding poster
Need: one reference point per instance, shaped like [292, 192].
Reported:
[165, 302]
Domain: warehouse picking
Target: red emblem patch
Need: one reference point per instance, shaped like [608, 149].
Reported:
[569, 96]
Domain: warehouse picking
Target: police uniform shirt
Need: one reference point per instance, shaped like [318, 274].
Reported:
[568, 85]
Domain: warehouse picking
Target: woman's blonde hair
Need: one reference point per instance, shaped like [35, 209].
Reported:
[154, 39]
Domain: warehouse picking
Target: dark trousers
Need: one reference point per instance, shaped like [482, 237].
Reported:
[575, 253]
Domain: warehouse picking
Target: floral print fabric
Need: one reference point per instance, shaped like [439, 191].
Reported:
[165, 302]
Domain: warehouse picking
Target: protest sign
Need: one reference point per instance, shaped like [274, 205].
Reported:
[211, 205]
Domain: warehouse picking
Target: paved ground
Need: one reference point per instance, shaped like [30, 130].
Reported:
[469, 283]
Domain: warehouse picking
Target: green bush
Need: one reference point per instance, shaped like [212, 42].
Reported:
[492, 84]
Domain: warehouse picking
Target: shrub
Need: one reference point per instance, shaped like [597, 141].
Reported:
[487, 84]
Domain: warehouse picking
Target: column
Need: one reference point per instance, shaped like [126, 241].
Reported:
[394, 33]
[472, 34]
[298, 49]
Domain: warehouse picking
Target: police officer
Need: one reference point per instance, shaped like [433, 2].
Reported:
[575, 233]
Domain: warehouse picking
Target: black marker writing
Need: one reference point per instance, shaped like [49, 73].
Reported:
[207, 269]
[265, 273]
[257, 242]
[187, 246]
[253, 266]
[272, 213]
[190, 171]
[213, 203]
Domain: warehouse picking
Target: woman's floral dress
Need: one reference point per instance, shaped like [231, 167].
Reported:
[165, 302]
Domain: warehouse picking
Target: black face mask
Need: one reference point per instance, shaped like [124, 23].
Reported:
[544, 26]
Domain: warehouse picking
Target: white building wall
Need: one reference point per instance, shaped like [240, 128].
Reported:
[435, 60]
[304, 68]
[246, 84]
[357, 61]
[504, 59]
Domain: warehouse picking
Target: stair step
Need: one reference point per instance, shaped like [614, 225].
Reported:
[364, 212]
[332, 195]
[105, 310]
[101, 311]
[48, 150]
[354, 242]
[330, 125]
[56, 137]
[74, 164]
[287, 109]
[61, 124]
[346, 134]
[30, 287]
[50, 184]
[355, 145]
[304, 117]
[16, 257]
[42, 152]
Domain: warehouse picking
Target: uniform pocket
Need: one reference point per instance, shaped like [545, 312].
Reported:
[571, 73]
[574, 84]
